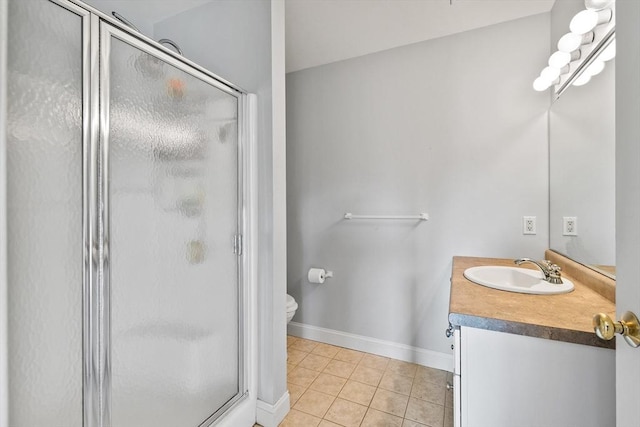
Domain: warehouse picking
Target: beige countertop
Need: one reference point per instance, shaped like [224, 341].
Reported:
[563, 317]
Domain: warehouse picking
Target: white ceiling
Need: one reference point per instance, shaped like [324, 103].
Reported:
[324, 31]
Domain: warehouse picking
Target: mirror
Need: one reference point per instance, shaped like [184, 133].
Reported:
[582, 172]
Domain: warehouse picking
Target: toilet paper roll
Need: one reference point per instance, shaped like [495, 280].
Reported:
[317, 275]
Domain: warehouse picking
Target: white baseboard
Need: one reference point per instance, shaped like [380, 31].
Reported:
[268, 415]
[432, 359]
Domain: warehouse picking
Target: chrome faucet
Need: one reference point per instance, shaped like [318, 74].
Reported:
[551, 271]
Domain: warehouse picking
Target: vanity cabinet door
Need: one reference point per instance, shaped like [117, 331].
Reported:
[511, 380]
[456, 379]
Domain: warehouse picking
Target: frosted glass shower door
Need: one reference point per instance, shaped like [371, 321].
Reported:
[171, 159]
[44, 152]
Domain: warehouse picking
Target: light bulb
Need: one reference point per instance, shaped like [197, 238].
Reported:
[582, 80]
[560, 59]
[550, 73]
[598, 4]
[609, 52]
[570, 41]
[553, 73]
[540, 84]
[587, 20]
[595, 68]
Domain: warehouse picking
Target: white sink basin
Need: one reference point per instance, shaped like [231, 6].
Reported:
[515, 279]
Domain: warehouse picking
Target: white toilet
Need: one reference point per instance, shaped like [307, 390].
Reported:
[292, 306]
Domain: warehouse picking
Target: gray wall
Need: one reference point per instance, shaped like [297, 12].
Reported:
[230, 38]
[451, 127]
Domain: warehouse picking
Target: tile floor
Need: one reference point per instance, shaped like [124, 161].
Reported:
[333, 386]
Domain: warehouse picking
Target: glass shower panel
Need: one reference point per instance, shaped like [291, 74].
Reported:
[173, 214]
[44, 214]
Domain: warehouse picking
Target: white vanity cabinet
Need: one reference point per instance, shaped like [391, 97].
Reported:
[508, 380]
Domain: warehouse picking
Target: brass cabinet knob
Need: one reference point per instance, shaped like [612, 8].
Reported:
[628, 327]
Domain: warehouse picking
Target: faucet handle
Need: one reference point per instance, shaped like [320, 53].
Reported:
[551, 267]
[554, 273]
[554, 268]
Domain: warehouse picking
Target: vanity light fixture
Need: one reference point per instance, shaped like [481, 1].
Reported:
[598, 4]
[570, 41]
[595, 68]
[609, 52]
[586, 20]
[577, 61]
[582, 80]
[552, 73]
[561, 59]
[548, 77]
[540, 84]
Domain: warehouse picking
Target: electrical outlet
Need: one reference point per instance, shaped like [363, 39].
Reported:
[569, 226]
[528, 225]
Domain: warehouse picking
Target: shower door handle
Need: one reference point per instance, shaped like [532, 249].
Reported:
[237, 244]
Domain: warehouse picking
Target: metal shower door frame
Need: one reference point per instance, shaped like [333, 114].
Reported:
[97, 31]
[103, 309]
[4, 327]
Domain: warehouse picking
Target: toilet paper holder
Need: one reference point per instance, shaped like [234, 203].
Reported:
[318, 275]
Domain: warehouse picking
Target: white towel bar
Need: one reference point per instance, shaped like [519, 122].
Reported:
[421, 217]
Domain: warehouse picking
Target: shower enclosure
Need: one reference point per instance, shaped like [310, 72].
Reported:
[126, 211]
